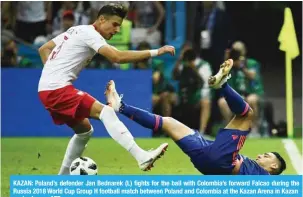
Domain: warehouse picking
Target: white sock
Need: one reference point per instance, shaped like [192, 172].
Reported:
[118, 131]
[74, 150]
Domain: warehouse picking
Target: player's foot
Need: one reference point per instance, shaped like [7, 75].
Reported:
[222, 76]
[113, 98]
[154, 155]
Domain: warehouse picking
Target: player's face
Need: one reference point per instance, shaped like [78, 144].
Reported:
[109, 26]
[268, 161]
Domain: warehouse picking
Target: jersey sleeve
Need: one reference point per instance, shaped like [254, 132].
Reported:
[94, 41]
[58, 39]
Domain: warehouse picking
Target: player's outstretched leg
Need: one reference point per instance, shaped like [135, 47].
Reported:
[235, 102]
[172, 127]
[119, 132]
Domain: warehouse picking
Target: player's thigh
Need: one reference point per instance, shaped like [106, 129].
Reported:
[175, 129]
[222, 103]
[82, 126]
[88, 107]
[242, 123]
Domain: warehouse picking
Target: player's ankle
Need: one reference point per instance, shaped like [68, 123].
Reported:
[224, 85]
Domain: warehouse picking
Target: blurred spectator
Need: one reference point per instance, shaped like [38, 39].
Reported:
[68, 20]
[246, 79]
[164, 97]
[9, 52]
[79, 18]
[209, 29]
[7, 19]
[147, 16]
[122, 40]
[100, 62]
[194, 94]
[39, 41]
[29, 19]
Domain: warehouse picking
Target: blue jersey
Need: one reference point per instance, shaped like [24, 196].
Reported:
[219, 157]
[250, 167]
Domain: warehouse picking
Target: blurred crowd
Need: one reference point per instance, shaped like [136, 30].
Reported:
[182, 91]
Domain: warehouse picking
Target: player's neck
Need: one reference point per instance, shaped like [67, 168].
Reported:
[265, 168]
[96, 27]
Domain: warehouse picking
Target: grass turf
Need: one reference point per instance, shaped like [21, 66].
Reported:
[299, 144]
[20, 156]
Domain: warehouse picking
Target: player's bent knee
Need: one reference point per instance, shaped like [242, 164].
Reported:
[82, 127]
[252, 99]
[250, 114]
[255, 97]
[96, 109]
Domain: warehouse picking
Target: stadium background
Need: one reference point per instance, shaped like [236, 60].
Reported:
[27, 131]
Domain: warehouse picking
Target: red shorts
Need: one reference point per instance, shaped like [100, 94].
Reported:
[67, 105]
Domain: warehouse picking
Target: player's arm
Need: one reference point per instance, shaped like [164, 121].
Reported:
[45, 50]
[116, 56]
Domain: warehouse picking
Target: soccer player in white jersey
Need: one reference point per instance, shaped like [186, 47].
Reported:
[63, 58]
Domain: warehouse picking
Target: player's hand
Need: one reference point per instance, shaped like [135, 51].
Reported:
[166, 49]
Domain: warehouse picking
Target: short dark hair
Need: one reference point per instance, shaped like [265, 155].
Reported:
[282, 162]
[113, 9]
[189, 55]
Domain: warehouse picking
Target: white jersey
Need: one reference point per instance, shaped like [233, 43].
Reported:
[73, 52]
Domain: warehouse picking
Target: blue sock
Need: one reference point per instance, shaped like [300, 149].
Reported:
[235, 102]
[142, 117]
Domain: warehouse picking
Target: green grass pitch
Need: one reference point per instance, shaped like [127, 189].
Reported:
[20, 156]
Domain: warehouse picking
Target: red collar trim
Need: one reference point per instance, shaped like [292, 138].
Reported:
[95, 27]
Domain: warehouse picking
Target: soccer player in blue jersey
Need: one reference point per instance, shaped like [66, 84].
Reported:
[218, 157]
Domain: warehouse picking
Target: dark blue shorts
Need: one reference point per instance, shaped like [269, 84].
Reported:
[214, 157]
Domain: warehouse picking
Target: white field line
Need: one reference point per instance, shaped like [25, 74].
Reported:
[294, 155]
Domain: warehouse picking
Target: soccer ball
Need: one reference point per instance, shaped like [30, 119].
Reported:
[83, 166]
